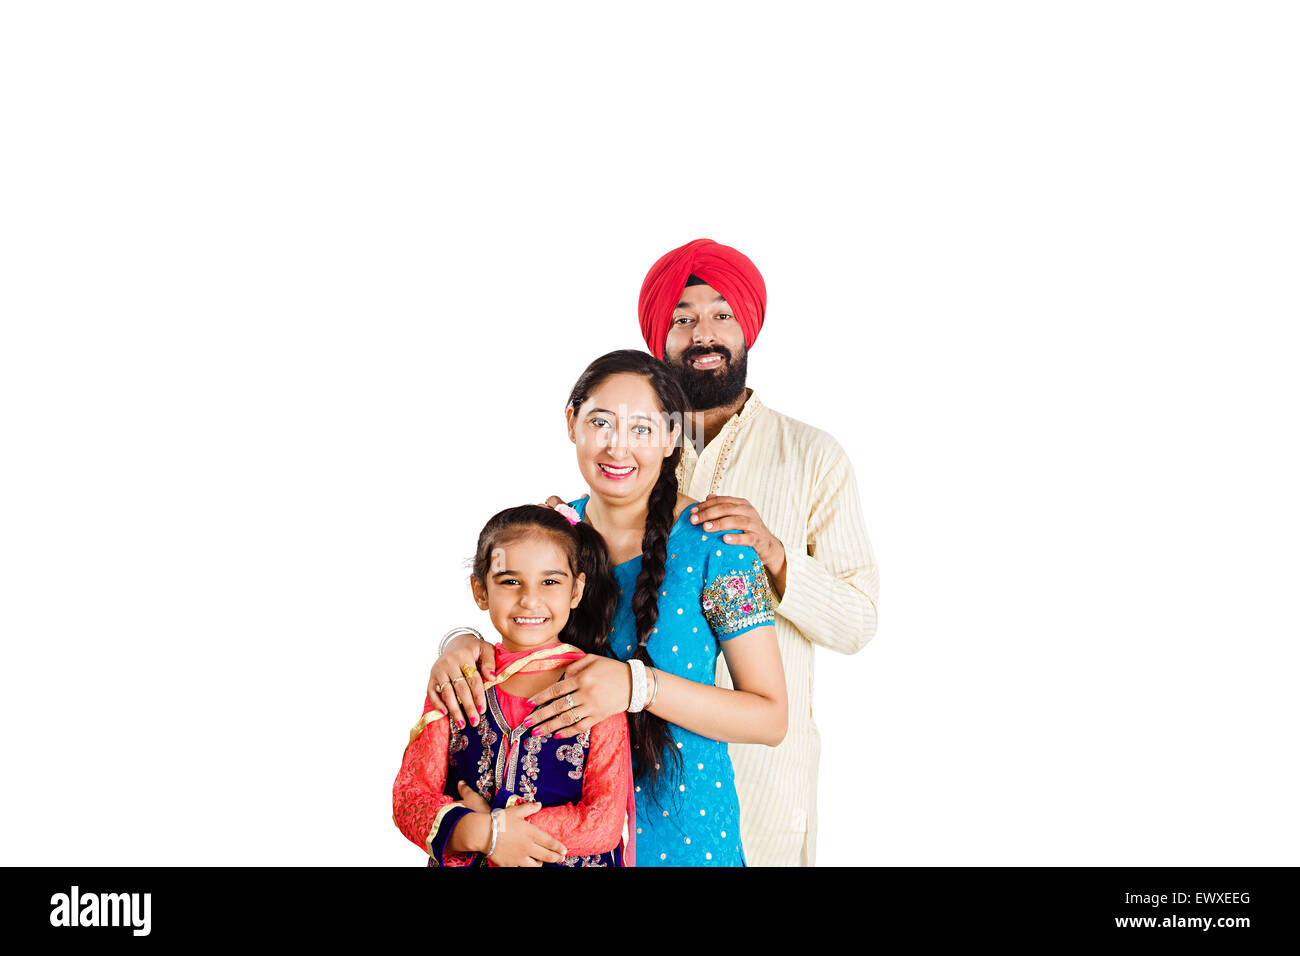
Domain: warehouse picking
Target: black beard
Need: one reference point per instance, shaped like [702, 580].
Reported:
[711, 388]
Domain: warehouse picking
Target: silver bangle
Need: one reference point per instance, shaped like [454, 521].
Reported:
[637, 703]
[442, 646]
[496, 829]
[651, 701]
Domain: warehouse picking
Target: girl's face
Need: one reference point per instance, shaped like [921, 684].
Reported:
[529, 591]
[621, 438]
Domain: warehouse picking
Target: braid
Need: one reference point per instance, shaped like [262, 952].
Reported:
[654, 550]
[651, 736]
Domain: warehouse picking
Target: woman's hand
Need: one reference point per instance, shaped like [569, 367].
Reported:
[598, 687]
[519, 843]
[451, 691]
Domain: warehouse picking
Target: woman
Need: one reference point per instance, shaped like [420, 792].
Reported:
[684, 595]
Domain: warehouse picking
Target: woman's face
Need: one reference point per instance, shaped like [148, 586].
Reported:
[529, 591]
[621, 438]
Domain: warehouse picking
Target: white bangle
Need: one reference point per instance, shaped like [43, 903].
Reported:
[638, 686]
[442, 647]
[496, 831]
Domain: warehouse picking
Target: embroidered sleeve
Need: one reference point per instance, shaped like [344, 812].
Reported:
[595, 823]
[425, 815]
[737, 597]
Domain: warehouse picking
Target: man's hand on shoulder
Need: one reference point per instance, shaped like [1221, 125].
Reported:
[554, 500]
[721, 512]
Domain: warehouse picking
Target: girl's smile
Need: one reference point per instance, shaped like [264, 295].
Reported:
[529, 590]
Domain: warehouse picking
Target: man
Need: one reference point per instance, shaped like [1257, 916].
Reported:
[789, 490]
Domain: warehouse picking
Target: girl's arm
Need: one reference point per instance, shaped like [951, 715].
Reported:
[425, 815]
[595, 823]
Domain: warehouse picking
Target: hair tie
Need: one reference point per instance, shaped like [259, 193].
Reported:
[569, 513]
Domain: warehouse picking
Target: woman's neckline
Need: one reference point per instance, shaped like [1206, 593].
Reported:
[581, 508]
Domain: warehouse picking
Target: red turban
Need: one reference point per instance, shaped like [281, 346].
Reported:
[722, 267]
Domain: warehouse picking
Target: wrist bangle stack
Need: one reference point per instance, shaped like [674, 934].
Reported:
[655, 693]
[442, 646]
[638, 686]
[496, 830]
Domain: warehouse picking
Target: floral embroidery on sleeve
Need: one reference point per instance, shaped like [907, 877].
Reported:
[736, 601]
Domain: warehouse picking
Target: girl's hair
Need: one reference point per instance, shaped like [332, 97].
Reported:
[652, 741]
[589, 623]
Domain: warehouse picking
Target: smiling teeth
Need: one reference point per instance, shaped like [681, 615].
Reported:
[530, 620]
[623, 470]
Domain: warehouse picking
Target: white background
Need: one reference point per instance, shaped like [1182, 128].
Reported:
[292, 295]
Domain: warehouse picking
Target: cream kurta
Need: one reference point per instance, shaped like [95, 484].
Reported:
[801, 484]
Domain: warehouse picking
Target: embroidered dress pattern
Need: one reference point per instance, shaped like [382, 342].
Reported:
[528, 782]
[575, 752]
[587, 814]
[486, 782]
[738, 600]
[457, 744]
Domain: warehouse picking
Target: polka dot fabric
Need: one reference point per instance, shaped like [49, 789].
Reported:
[694, 819]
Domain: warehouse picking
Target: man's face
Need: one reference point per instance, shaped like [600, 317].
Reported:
[707, 348]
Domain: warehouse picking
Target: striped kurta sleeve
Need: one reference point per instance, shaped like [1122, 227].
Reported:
[832, 584]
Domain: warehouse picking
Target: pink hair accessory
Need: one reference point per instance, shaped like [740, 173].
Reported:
[569, 513]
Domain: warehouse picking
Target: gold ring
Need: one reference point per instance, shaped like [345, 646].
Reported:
[468, 671]
[575, 719]
[438, 689]
[454, 679]
[569, 698]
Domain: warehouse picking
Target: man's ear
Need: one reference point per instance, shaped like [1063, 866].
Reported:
[579, 587]
[479, 591]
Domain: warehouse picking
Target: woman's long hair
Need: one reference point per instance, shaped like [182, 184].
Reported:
[652, 740]
[589, 623]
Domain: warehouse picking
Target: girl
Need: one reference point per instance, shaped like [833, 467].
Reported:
[683, 596]
[491, 793]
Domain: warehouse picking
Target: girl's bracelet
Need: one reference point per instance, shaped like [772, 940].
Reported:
[496, 830]
[655, 674]
[455, 631]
